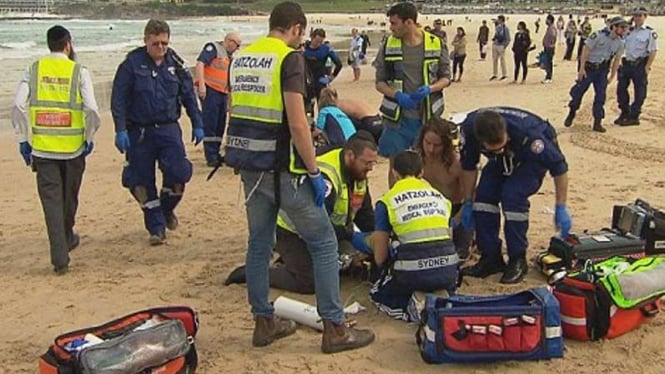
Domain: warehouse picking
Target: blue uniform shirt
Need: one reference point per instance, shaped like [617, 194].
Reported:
[640, 42]
[208, 53]
[602, 47]
[530, 139]
[144, 93]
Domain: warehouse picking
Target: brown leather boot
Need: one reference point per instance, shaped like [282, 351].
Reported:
[338, 338]
[269, 329]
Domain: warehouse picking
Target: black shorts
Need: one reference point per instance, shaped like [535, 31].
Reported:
[371, 124]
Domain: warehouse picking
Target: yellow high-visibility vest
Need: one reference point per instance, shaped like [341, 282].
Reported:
[417, 212]
[56, 106]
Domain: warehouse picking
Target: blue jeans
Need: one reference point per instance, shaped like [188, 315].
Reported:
[297, 200]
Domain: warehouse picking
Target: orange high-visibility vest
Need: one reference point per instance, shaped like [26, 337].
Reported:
[216, 75]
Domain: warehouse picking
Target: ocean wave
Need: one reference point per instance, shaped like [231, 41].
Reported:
[18, 45]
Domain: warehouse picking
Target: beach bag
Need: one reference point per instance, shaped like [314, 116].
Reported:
[461, 329]
[156, 340]
[610, 298]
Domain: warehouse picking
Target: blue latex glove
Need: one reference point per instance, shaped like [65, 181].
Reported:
[26, 152]
[197, 135]
[360, 244]
[122, 141]
[405, 101]
[467, 215]
[88, 148]
[319, 187]
[562, 220]
[324, 80]
[421, 93]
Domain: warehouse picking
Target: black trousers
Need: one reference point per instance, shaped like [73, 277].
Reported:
[520, 60]
[295, 271]
[58, 184]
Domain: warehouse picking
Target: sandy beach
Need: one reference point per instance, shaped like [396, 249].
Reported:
[115, 271]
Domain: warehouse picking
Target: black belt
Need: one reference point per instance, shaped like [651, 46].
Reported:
[627, 62]
[132, 125]
[597, 65]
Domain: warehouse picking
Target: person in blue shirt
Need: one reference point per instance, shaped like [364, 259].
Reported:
[317, 52]
[149, 88]
[520, 147]
[641, 50]
[601, 55]
[332, 121]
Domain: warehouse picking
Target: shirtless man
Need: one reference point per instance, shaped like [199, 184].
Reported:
[442, 169]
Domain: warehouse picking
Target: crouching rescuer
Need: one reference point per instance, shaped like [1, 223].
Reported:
[422, 256]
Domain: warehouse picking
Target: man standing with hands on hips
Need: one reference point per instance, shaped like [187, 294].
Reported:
[412, 69]
[63, 118]
[212, 74]
[270, 144]
[148, 90]
[641, 50]
[520, 147]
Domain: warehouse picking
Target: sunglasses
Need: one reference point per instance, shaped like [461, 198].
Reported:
[236, 42]
[157, 44]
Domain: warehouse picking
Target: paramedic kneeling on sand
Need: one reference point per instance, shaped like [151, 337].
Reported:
[416, 215]
[521, 147]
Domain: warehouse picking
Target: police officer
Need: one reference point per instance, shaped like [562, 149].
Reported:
[521, 147]
[270, 144]
[416, 215]
[148, 89]
[348, 203]
[317, 53]
[63, 119]
[641, 49]
[412, 69]
[212, 73]
[601, 55]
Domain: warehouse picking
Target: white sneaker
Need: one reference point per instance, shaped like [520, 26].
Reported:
[546, 81]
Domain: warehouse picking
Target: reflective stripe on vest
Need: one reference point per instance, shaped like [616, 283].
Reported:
[432, 49]
[257, 133]
[426, 263]
[216, 75]
[330, 164]
[56, 106]
[417, 212]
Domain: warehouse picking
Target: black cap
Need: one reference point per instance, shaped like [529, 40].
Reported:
[640, 10]
[57, 33]
[618, 21]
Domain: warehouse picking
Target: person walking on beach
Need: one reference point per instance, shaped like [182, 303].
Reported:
[570, 34]
[482, 39]
[412, 69]
[459, 53]
[521, 48]
[356, 54]
[63, 117]
[212, 73]
[584, 31]
[537, 24]
[149, 88]
[641, 50]
[560, 26]
[269, 143]
[500, 41]
[601, 55]
[549, 44]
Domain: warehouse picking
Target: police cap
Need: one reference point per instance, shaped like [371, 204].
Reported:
[618, 21]
[640, 10]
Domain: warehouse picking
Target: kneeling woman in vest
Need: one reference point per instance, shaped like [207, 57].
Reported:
[423, 256]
